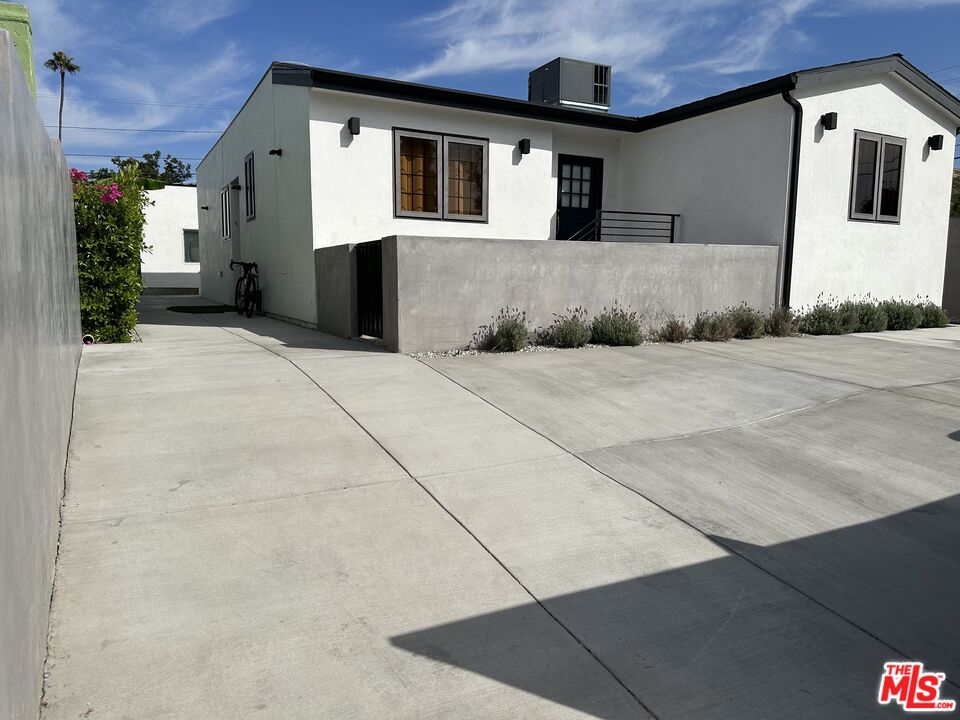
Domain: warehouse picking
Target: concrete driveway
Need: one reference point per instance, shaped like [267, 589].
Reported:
[264, 521]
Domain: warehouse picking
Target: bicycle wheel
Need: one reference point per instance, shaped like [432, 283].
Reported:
[238, 296]
[250, 296]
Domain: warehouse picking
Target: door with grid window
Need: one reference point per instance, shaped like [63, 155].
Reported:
[579, 188]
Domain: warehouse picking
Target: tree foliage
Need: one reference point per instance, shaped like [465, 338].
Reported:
[109, 219]
[174, 171]
[955, 198]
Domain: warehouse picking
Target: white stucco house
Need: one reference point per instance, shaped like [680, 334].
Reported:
[845, 169]
[172, 265]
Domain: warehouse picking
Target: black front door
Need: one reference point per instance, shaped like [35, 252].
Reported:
[579, 187]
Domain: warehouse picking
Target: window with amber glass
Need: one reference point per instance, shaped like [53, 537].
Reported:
[440, 177]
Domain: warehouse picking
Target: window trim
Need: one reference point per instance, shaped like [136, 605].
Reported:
[184, 235]
[484, 145]
[398, 210]
[882, 142]
[442, 140]
[249, 187]
[225, 231]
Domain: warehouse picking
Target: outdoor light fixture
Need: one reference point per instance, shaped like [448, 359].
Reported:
[353, 125]
[277, 151]
[935, 142]
[204, 207]
[829, 121]
[524, 146]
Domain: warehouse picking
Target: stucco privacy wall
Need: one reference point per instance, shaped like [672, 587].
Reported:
[445, 288]
[39, 352]
[951, 275]
[279, 238]
[173, 209]
[846, 258]
[725, 173]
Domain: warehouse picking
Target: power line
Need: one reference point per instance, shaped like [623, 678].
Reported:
[136, 102]
[81, 127]
[123, 155]
[949, 67]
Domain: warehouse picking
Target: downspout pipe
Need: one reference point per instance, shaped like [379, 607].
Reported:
[791, 228]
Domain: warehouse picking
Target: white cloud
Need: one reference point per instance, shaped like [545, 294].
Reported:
[187, 16]
[653, 45]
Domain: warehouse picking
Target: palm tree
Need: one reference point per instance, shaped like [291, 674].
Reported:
[62, 63]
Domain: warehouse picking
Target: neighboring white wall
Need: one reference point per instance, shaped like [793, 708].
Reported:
[353, 177]
[726, 173]
[845, 258]
[172, 210]
[280, 237]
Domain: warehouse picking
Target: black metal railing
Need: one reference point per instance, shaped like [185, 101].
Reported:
[630, 226]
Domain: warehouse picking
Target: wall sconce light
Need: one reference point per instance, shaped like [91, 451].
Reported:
[524, 146]
[353, 125]
[935, 142]
[277, 151]
[829, 121]
[235, 185]
[204, 207]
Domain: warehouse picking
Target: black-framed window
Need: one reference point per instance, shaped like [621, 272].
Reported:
[249, 185]
[440, 176]
[877, 188]
[191, 246]
[225, 213]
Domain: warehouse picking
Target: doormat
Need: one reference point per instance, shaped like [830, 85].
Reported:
[202, 309]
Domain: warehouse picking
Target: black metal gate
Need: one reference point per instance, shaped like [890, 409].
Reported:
[370, 289]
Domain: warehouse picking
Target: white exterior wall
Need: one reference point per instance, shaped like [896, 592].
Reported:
[172, 210]
[725, 173]
[845, 258]
[353, 177]
[280, 237]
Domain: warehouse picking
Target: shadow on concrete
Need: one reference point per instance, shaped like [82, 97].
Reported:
[722, 639]
[955, 435]
[260, 329]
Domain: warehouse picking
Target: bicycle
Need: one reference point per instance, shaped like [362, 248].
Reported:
[246, 297]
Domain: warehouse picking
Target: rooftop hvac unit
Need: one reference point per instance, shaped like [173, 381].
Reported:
[572, 83]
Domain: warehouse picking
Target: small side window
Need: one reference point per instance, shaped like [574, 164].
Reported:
[225, 213]
[249, 187]
[191, 246]
[877, 177]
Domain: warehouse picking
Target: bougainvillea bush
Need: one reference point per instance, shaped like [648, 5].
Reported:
[109, 217]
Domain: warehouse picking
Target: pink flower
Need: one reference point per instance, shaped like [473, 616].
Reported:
[111, 195]
[78, 175]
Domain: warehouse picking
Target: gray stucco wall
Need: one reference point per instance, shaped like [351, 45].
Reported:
[438, 291]
[951, 275]
[335, 270]
[39, 352]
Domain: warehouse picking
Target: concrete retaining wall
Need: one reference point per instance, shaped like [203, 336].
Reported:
[39, 352]
[951, 275]
[438, 291]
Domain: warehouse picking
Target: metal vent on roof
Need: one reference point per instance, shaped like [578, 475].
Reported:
[572, 83]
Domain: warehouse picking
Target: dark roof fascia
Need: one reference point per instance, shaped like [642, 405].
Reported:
[895, 64]
[289, 74]
[758, 91]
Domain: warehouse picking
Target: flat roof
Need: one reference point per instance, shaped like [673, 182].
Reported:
[304, 75]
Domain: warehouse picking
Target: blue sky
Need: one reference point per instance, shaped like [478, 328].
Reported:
[189, 64]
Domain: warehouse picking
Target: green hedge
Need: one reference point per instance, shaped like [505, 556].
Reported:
[109, 217]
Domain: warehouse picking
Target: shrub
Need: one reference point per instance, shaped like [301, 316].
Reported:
[781, 322]
[109, 220]
[507, 332]
[674, 330]
[870, 317]
[570, 330]
[713, 327]
[849, 313]
[747, 322]
[901, 315]
[617, 326]
[826, 318]
[932, 315]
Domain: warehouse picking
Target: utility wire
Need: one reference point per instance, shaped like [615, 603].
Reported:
[949, 67]
[123, 155]
[81, 127]
[135, 102]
